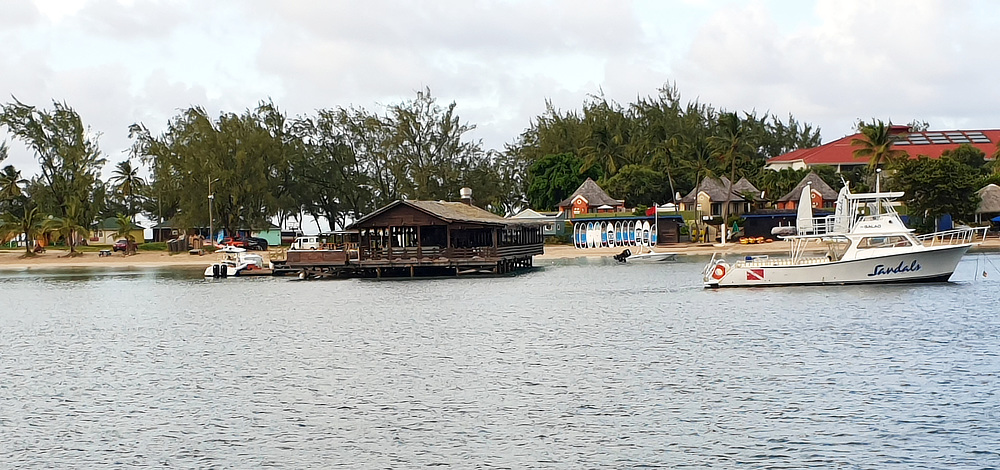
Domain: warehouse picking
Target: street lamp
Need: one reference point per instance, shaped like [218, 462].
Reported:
[211, 197]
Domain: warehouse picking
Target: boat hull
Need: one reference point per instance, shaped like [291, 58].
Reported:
[215, 270]
[929, 265]
[652, 257]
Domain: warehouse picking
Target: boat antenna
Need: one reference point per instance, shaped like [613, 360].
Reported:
[878, 189]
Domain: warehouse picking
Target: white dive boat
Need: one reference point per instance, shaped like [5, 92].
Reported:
[234, 261]
[865, 241]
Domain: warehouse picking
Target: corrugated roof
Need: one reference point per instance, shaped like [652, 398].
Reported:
[716, 190]
[111, 223]
[931, 144]
[990, 195]
[457, 212]
[594, 195]
[446, 211]
[817, 184]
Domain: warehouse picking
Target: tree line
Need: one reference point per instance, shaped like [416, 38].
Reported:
[341, 163]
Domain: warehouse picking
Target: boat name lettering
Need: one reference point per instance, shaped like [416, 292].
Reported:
[881, 269]
[871, 226]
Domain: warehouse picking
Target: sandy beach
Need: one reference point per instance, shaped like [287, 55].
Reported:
[13, 259]
[58, 258]
[54, 258]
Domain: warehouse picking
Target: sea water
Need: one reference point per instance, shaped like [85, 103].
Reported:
[577, 364]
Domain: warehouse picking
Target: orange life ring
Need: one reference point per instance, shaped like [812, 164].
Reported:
[718, 272]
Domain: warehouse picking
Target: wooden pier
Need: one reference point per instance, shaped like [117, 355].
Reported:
[424, 238]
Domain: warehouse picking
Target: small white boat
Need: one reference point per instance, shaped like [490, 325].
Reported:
[865, 241]
[234, 262]
[652, 257]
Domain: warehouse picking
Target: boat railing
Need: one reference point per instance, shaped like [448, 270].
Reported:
[768, 262]
[821, 226]
[958, 236]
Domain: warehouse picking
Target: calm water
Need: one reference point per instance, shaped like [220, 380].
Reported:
[575, 365]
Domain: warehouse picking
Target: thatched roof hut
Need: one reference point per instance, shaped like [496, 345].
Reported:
[990, 199]
[716, 190]
[593, 194]
[817, 184]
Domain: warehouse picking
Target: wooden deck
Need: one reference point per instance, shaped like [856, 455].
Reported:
[412, 262]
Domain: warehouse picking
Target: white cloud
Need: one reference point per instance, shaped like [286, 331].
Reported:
[890, 60]
[828, 62]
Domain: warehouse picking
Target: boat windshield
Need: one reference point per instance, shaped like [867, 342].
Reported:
[836, 247]
[891, 241]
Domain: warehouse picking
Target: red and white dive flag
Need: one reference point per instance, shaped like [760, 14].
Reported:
[756, 274]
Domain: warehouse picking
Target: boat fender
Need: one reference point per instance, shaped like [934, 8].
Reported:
[719, 272]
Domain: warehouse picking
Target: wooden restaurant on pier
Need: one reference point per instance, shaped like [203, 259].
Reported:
[425, 238]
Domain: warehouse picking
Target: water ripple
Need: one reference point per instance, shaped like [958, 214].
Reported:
[579, 364]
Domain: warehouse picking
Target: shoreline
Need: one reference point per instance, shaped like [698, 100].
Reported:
[57, 259]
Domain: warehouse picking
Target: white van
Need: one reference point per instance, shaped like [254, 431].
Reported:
[305, 243]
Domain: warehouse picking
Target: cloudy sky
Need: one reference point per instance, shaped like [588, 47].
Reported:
[827, 62]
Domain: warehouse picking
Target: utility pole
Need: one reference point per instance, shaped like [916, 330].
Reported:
[211, 198]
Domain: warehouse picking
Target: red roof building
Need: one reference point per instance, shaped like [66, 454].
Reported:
[840, 152]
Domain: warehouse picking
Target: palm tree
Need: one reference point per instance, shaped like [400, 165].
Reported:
[127, 182]
[876, 143]
[29, 223]
[125, 228]
[697, 156]
[730, 145]
[68, 227]
[10, 183]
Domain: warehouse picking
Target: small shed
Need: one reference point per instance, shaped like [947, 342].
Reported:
[590, 198]
[823, 196]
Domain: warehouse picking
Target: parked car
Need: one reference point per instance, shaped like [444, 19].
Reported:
[120, 245]
[234, 241]
[255, 243]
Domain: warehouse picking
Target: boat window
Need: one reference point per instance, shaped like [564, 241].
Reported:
[884, 242]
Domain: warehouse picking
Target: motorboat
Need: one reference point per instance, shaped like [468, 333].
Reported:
[235, 261]
[864, 241]
[652, 256]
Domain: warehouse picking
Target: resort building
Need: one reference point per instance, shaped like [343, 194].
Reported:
[840, 152]
[426, 238]
[104, 233]
[707, 199]
[553, 224]
[590, 198]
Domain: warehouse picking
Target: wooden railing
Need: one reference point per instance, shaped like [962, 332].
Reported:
[434, 252]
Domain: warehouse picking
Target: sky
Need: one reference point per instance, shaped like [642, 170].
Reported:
[828, 63]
